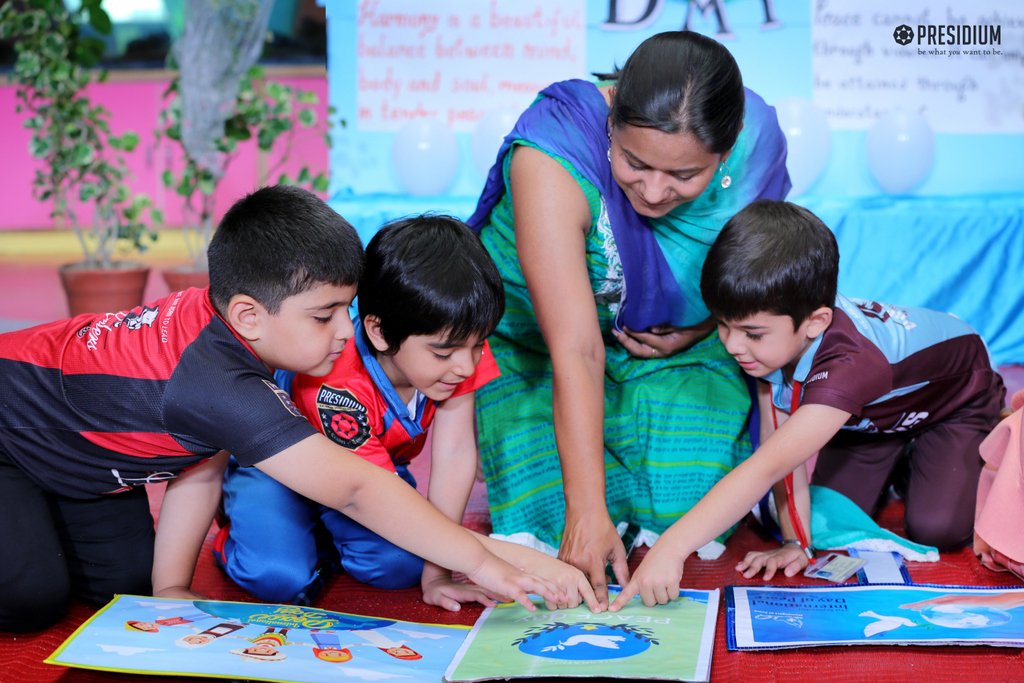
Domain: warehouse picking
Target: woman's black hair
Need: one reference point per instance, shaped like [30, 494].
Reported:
[430, 275]
[771, 257]
[681, 81]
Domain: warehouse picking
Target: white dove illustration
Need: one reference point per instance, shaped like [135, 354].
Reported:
[884, 623]
[609, 642]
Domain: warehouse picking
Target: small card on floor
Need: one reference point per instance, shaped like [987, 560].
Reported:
[834, 567]
[881, 567]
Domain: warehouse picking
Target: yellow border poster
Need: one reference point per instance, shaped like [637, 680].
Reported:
[254, 641]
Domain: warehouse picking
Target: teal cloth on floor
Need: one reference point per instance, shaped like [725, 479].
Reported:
[837, 524]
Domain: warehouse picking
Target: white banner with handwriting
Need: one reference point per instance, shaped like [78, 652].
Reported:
[455, 60]
[960, 62]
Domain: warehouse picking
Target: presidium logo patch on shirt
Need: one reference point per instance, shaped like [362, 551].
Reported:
[342, 417]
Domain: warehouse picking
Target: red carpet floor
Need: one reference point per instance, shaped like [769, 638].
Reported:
[22, 656]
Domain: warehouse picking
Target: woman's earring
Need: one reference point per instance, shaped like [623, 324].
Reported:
[609, 153]
[726, 178]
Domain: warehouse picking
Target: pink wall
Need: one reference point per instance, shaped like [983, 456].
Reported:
[134, 105]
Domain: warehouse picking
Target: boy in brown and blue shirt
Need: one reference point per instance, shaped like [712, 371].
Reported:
[858, 382]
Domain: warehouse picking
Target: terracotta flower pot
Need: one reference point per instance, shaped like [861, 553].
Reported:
[103, 290]
[182, 277]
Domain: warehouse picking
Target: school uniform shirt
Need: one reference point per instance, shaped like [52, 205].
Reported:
[357, 407]
[99, 404]
[893, 369]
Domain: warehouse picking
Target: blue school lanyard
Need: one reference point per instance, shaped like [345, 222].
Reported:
[794, 515]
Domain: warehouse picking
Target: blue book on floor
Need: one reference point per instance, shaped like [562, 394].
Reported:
[765, 617]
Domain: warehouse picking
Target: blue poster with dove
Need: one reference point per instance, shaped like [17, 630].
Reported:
[775, 617]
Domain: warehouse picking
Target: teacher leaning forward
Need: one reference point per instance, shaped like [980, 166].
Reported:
[616, 403]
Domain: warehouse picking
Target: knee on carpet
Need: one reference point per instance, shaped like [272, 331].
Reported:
[390, 568]
[939, 527]
[277, 582]
[132, 578]
[34, 605]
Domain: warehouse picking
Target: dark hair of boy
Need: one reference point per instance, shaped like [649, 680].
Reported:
[430, 275]
[681, 81]
[772, 257]
[277, 242]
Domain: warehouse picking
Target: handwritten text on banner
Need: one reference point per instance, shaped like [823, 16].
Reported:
[963, 67]
[458, 59]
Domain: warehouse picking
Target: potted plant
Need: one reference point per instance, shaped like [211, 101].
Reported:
[218, 100]
[83, 162]
[263, 109]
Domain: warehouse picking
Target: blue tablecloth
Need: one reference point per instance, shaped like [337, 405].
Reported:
[963, 255]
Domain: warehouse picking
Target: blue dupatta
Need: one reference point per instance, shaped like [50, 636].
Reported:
[569, 119]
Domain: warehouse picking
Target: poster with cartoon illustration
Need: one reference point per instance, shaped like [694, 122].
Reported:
[766, 618]
[257, 642]
[670, 642]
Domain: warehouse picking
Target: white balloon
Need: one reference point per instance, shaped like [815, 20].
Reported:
[901, 149]
[808, 138]
[425, 156]
[488, 135]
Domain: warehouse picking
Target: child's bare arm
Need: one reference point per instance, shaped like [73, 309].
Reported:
[185, 516]
[382, 502]
[789, 556]
[806, 431]
[453, 457]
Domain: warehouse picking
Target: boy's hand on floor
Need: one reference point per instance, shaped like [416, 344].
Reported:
[656, 580]
[790, 559]
[497, 575]
[441, 590]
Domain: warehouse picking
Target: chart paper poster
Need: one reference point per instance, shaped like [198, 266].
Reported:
[455, 60]
[771, 618]
[257, 642]
[959, 62]
[670, 642]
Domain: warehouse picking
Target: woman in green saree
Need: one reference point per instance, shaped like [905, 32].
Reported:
[617, 404]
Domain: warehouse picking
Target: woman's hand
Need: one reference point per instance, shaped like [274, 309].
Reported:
[1000, 600]
[589, 543]
[662, 341]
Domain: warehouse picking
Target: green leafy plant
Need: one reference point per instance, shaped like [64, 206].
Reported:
[263, 109]
[83, 161]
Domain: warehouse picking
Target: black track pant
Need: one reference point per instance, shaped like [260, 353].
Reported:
[53, 547]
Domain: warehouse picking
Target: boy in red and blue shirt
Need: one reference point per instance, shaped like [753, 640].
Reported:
[428, 298]
[94, 407]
